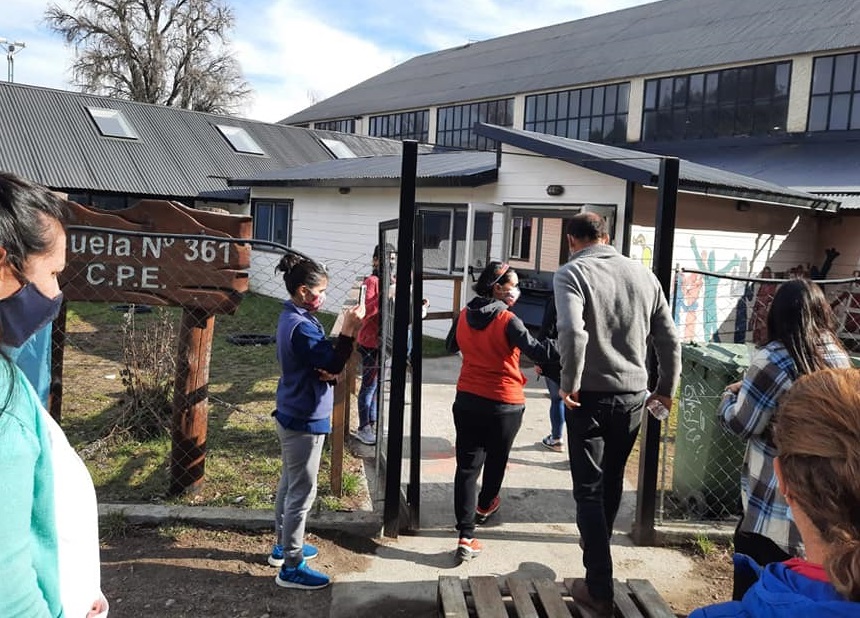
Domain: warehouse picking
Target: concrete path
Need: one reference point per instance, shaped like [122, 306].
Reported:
[533, 534]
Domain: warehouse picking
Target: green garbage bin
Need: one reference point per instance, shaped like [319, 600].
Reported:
[708, 459]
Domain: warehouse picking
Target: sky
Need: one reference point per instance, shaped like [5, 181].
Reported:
[296, 52]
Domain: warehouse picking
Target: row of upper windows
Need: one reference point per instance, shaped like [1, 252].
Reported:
[750, 100]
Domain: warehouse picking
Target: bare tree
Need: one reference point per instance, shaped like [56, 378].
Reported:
[170, 52]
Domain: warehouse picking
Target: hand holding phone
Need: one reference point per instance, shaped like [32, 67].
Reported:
[362, 294]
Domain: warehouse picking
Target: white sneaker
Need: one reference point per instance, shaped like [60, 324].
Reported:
[366, 435]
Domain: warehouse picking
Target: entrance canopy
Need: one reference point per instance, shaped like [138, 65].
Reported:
[644, 168]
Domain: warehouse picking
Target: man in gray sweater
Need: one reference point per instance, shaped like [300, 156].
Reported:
[609, 309]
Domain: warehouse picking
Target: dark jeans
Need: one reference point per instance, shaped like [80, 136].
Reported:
[600, 435]
[485, 433]
[369, 385]
[759, 548]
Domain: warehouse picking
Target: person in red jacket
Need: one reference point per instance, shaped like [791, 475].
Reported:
[490, 401]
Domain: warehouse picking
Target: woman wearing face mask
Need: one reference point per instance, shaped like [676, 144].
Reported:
[303, 414]
[489, 405]
[49, 551]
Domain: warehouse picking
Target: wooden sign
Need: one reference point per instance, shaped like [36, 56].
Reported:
[196, 273]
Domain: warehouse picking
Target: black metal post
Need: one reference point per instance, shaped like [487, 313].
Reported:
[397, 401]
[413, 489]
[664, 240]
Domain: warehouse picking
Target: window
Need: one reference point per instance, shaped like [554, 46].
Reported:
[344, 126]
[240, 139]
[835, 101]
[595, 114]
[272, 221]
[406, 125]
[521, 238]
[111, 123]
[444, 240]
[751, 100]
[454, 124]
[338, 149]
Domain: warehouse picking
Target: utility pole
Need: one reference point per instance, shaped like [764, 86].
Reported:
[12, 48]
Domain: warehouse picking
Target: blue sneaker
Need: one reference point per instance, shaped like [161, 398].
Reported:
[276, 558]
[302, 577]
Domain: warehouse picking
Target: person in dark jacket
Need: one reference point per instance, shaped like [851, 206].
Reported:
[490, 401]
[305, 398]
[551, 373]
[816, 433]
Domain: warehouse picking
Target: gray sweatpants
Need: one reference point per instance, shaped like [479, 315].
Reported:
[300, 465]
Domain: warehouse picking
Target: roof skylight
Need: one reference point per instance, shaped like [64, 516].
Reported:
[240, 139]
[112, 123]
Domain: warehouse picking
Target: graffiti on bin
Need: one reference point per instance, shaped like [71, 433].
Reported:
[692, 421]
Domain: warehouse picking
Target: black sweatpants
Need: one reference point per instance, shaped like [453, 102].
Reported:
[485, 433]
[759, 548]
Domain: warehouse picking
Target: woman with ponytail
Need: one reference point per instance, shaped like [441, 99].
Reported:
[816, 432]
[303, 413]
[489, 405]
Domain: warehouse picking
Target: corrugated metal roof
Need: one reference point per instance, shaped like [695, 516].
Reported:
[644, 168]
[444, 169]
[847, 201]
[48, 136]
[815, 162]
[672, 35]
[366, 146]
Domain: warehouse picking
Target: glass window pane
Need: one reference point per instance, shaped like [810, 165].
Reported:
[745, 83]
[649, 125]
[551, 106]
[282, 224]
[818, 113]
[572, 128]
[540, 107]
[821, 75]
[679, 88]
[530, 110]
[729, 86]
[562, 104]
[839, 112]
[744, 119]
[664, 100]
[596, 133]
[597, 101]
[263, 221]
[694, 123]
[778, 115]
[765, 76]
[584, 128]
[574, 105]
[783, 75]
[712, 87]
[697, 89]
[623, 96]
[611, 99]
[679, 123]
[585, 103]
[843, 73]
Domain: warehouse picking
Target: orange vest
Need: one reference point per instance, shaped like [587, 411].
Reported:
[491, 365]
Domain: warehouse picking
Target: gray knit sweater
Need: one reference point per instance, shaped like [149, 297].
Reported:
[609, 309]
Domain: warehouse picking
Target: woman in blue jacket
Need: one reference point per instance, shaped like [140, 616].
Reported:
[817, 466]
[305, 398]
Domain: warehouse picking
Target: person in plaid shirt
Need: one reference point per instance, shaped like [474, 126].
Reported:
[801, 340]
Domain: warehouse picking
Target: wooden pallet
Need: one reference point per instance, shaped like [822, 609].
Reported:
[498, 597]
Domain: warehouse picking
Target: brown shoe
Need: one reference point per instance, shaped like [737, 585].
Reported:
[579, 592]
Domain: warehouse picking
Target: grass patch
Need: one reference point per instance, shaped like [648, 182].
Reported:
[704, 546]
[114, 526]
[243, 454]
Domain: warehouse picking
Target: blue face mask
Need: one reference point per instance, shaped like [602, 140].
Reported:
[25, 313]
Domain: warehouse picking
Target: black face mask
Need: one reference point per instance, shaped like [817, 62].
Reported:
[25, 313]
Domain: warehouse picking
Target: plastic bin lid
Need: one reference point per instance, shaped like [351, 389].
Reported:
[724, 356]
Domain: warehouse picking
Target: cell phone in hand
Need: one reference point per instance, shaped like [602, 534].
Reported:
[362, 293]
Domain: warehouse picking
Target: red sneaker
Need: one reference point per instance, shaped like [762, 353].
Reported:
[482, 515]
[468, 548]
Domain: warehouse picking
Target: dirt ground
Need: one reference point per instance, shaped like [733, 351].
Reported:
[181, 571]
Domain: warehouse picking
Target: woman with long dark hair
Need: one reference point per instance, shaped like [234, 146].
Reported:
[490, 401]
[49, 544]
[801, 340]
[304, 401]
[816, 434]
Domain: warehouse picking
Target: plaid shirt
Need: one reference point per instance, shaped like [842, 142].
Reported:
[749, 415]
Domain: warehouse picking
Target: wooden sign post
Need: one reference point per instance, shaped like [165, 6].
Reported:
[154, 266]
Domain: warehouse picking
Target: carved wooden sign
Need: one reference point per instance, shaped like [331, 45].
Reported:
[146, 268]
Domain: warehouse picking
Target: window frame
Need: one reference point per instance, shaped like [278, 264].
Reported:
[276, 205]
[454, 224]
[822, 98]
[455, 123]
[581, 113]
[520, 238]
[108, 114]
[343, 125]
[725, 102]
[240, 140]
[401, 125]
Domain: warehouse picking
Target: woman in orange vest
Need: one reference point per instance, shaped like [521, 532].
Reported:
[490, 401]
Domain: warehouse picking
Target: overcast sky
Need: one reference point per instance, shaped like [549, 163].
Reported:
[296, 51]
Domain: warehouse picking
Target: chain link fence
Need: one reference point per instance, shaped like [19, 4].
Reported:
[120, 362]
[722, 319]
